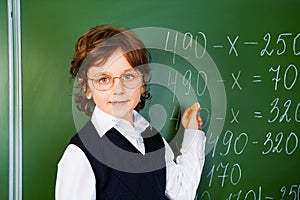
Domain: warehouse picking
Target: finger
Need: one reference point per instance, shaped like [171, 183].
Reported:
[195, 108]
[190, 110]
[200, 125]
[200, 122]
[186, 113]
[199, 118]
[200, 109]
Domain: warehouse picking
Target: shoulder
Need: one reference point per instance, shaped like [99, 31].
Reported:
[87, 132]
[75, 153]
[74, 156]
[74, 171]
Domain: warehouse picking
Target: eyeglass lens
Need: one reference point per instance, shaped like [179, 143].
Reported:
[130, 79]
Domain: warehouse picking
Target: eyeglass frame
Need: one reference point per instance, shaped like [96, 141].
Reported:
[119, 77]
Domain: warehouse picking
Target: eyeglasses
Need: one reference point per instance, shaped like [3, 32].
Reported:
[130, 79]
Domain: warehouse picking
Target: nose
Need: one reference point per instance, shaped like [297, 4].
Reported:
[118, 87]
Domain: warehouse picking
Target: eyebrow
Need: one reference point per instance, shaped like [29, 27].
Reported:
[108, 73]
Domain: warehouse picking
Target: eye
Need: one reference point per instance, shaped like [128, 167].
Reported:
[129, 76]
[103, 80]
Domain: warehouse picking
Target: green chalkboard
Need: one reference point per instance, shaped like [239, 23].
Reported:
[239, 59]
[4, 135]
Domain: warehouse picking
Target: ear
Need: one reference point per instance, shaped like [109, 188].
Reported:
[87, 91]
[143, 89]
[88, 94]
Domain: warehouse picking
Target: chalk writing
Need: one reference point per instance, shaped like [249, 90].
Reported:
[290, 76]
[222, 173]
[268, 110]
[284, 116]
[274, 145]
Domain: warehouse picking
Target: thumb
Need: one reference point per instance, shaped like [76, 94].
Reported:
[189, 118]
[191, 111]
[194, 109]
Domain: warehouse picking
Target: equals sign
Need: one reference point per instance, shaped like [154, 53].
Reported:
[257, 114]
[256, 79]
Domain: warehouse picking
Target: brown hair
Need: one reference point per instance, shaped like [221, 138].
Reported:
[95, 47]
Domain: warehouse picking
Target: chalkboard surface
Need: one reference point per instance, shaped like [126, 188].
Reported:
[239, 59]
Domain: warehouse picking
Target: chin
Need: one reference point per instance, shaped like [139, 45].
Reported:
[122, 112]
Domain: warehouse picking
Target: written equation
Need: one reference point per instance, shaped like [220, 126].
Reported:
[272, 45]
[279, 81]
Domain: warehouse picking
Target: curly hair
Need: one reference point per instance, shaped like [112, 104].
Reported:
[95, 47]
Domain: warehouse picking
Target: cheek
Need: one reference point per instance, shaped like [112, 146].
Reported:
[100, 99]
[135, 97]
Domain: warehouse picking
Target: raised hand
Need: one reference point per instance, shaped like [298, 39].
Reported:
[191, 119]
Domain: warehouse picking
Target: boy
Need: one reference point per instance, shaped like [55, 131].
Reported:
[117, 154]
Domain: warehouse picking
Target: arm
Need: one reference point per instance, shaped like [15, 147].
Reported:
[75, 178]
[183, 174]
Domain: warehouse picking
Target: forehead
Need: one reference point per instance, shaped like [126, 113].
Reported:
[116, 64]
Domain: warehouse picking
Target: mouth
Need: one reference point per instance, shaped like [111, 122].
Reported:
[119, 103]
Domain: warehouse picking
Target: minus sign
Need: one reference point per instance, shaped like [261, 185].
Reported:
[219, 118]
[218, 46]
[269, 198]
[255, 142]
[220, 80]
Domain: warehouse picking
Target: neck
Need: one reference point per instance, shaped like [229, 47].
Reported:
[129, 118]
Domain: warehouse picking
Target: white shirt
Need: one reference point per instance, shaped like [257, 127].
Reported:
[182, 177]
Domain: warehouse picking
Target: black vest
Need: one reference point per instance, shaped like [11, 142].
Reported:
[121, 171]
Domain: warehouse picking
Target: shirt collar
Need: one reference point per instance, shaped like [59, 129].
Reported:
[103, 122]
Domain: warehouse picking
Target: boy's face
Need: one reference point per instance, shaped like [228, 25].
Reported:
[118, 100]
